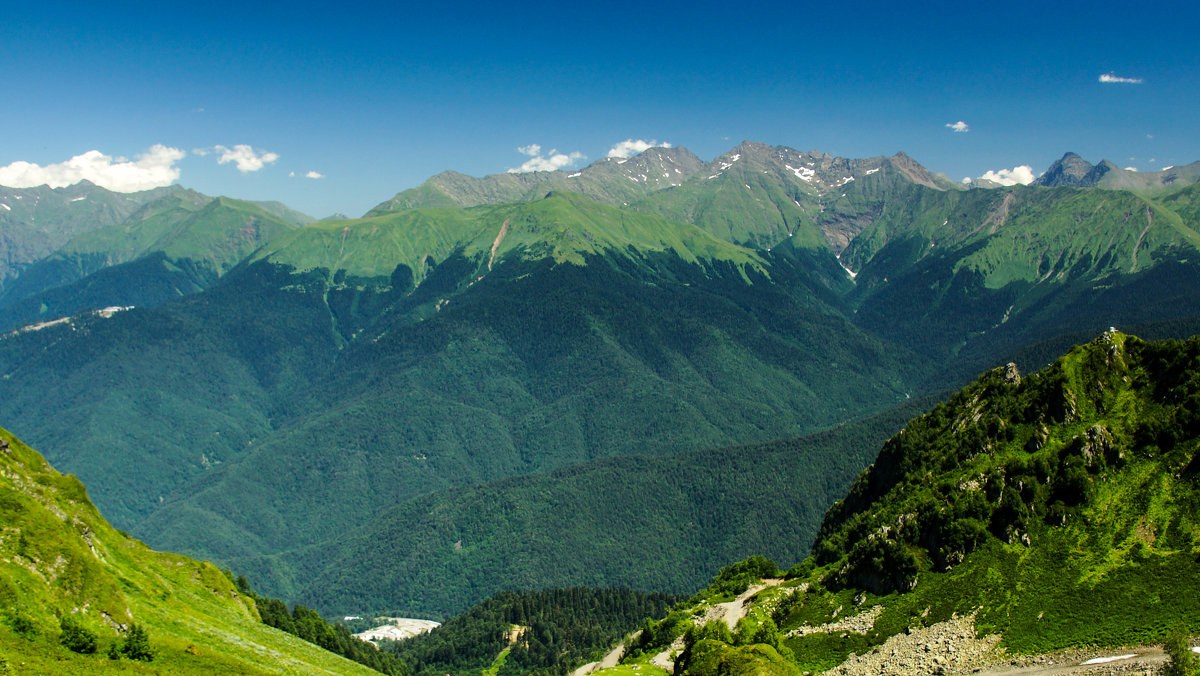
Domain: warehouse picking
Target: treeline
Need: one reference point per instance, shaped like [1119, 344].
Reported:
[310, 626]
[545, 632]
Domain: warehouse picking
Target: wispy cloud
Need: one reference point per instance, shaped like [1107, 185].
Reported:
[551, 161]
[630, 147]
[152, 169]
[314, 174]
[1022, 175]
[247, 158]
[1109, 78]
[959, 127]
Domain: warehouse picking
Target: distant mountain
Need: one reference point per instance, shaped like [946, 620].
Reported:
[611, 181]
[1073, 171]
[754, 195]
[759, 196]
[172, 246]
[61, 563]
[34, 222]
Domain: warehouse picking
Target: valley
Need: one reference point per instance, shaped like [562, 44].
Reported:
[631, 376]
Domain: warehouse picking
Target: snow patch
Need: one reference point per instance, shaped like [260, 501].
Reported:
[802, 173]
[714, 176]
[872, 171]
[747, 185]
[78, 199]
[576, 174]
[2, 204]
[850, 272]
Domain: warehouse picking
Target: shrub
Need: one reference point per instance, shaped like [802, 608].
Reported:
[77, 637]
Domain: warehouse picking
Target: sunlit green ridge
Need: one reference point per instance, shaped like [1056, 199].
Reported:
[562, 226]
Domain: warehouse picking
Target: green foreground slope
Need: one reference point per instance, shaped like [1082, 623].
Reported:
[1024, 515]
[60, 559]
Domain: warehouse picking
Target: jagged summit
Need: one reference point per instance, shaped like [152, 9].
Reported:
[1070, 170]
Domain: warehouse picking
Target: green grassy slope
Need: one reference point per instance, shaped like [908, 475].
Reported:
[563, 226]
[59, 558]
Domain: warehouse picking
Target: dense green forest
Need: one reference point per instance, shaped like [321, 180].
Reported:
[540, 632]
[650, 523]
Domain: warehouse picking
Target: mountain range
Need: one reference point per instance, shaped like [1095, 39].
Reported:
[534, 353]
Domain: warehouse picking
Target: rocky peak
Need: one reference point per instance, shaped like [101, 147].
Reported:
[1070, 170]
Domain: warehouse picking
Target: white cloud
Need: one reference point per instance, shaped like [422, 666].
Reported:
[152, 169]
[1130, 168]
[1108, 78]
[551, 161]
[966, 180]
[630, 147]
[1022, 175]
[248, 159]
[313, 174]
[959, 127]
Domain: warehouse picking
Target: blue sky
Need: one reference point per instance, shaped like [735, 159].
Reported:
[376, 97]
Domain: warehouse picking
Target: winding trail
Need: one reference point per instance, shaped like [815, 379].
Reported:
[729, 612]
[1148, 658]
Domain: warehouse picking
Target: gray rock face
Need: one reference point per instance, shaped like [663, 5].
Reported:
[1071, 170]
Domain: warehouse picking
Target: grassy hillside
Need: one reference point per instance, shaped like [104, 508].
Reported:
[562, 226]
[62, 564]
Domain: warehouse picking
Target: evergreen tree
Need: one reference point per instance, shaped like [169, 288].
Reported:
[137, 644]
